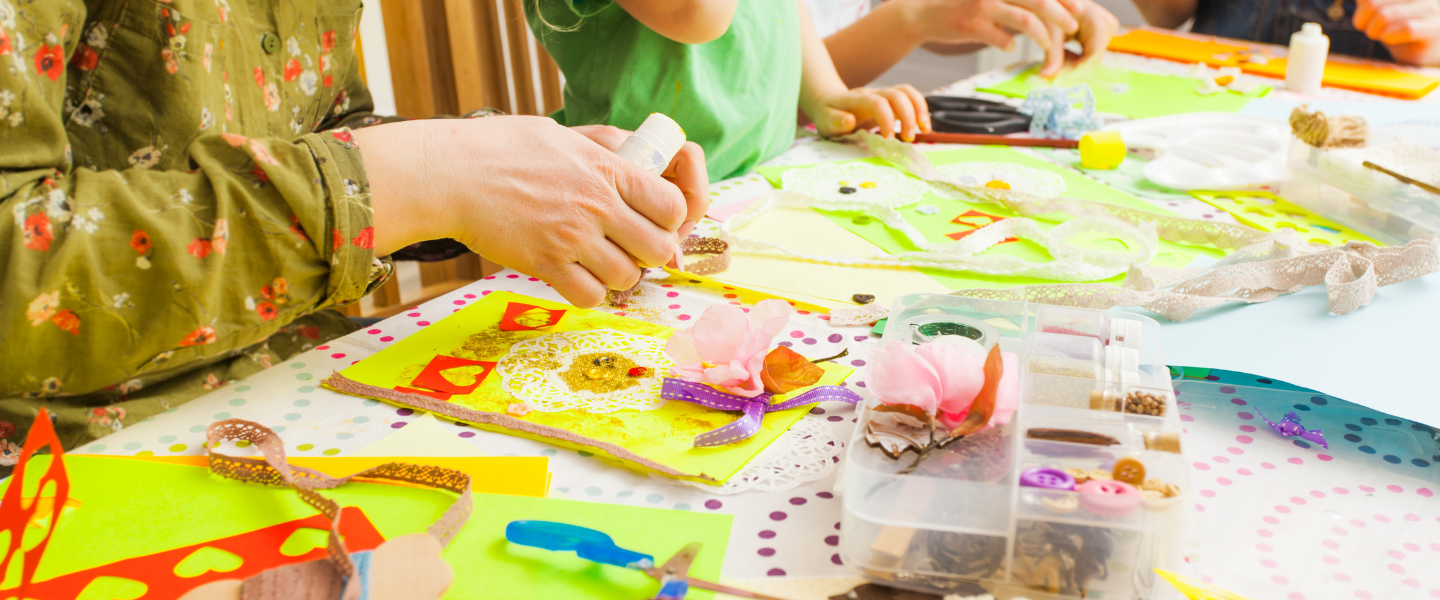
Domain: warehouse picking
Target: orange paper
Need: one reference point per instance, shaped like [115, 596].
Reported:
[1353, 76]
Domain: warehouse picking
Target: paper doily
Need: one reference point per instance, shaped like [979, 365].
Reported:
[804, 453]
[862, 182]
[533, 371]
[1035, 182]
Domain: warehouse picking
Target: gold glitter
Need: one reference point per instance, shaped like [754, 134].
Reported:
[601, 373]
[535, 317]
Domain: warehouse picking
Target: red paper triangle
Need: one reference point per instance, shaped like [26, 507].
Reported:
[515, 309]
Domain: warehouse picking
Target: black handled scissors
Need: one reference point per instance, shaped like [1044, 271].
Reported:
[951, 114]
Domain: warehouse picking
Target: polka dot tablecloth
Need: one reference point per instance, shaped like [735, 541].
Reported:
[1287, 518]
[1272, 520]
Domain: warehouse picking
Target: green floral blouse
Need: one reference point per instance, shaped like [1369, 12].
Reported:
[184, 198]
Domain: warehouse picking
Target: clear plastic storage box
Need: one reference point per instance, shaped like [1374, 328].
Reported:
[962, 521]
[1340, 187]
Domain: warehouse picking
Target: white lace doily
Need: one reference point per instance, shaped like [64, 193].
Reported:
[865, 183]
[1036, 182]
[804, 453]
[531, 371]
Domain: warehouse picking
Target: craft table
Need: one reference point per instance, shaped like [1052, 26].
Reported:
[1273, 519]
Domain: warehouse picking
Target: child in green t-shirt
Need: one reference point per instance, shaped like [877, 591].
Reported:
[732, 73]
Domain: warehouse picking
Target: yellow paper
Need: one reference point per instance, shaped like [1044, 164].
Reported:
[832, 286]
[509, 475]
[665, 435]
[424, 436]
[1196, 590]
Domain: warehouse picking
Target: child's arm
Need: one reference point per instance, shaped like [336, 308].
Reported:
[684, 21]
[836, 110]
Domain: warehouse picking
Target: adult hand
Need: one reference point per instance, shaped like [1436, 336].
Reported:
[841, 112]
[686, 171]
[526, 193]
[1410, 29]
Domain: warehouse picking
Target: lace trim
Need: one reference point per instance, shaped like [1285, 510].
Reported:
[864, 183]
[1259, 268]
[532, 371]
[1036, 182]
[807, 452]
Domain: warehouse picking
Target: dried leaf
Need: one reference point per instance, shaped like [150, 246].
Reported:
[786, 371]
[1071, 435]
[896, 428]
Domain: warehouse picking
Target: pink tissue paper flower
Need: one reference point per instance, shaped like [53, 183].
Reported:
[727, 346]
[941, 380]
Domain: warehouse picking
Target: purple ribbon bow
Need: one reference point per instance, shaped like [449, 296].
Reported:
[754, 408]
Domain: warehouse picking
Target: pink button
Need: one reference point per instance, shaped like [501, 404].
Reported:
[1108, 498]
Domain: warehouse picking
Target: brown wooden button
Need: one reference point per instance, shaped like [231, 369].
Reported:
[1129, 470]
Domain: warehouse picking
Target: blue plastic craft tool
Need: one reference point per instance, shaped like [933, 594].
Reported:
[595, 546]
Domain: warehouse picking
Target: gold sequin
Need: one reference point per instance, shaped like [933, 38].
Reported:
[601, 373]
[869, 185]
[996, 184]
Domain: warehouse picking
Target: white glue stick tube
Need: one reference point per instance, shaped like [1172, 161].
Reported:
[652, 147]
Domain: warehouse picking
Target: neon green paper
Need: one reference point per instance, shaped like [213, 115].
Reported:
[934, 227]
[131, 508]
[665, 435]
[1143, 95]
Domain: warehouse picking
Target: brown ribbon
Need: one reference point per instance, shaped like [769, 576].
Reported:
[275, 470]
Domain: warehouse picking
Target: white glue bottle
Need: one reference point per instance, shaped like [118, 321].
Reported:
[1305, 66]
[652, 147]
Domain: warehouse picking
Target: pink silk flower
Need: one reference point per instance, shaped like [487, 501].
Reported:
[727, 346]
[941, 380]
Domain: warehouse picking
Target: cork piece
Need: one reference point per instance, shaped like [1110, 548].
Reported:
[890, 546]
[409, 567]
[1129, 470]
[1163, 441]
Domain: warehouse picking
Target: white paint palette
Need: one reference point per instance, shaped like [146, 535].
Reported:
[1209, 151]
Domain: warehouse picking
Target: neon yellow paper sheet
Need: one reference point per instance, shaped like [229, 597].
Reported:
[665, 435]
[1133, 94]
[128, 508]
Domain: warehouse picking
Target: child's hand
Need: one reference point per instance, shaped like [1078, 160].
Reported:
[839, 113]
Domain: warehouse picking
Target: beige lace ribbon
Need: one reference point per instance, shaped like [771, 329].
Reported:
[1260, 266]
[273, 469]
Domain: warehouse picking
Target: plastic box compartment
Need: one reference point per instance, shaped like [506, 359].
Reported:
[1369, 201]
[962, 518]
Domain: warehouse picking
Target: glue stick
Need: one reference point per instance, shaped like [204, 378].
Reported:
[652, 147]
[1305, 65]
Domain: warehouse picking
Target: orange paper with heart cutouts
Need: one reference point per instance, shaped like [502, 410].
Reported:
[42, 510]
[163, 574]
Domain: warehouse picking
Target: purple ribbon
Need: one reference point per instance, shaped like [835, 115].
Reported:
[754, 408]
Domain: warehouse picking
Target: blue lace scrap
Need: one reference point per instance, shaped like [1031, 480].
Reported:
[1061, 112]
